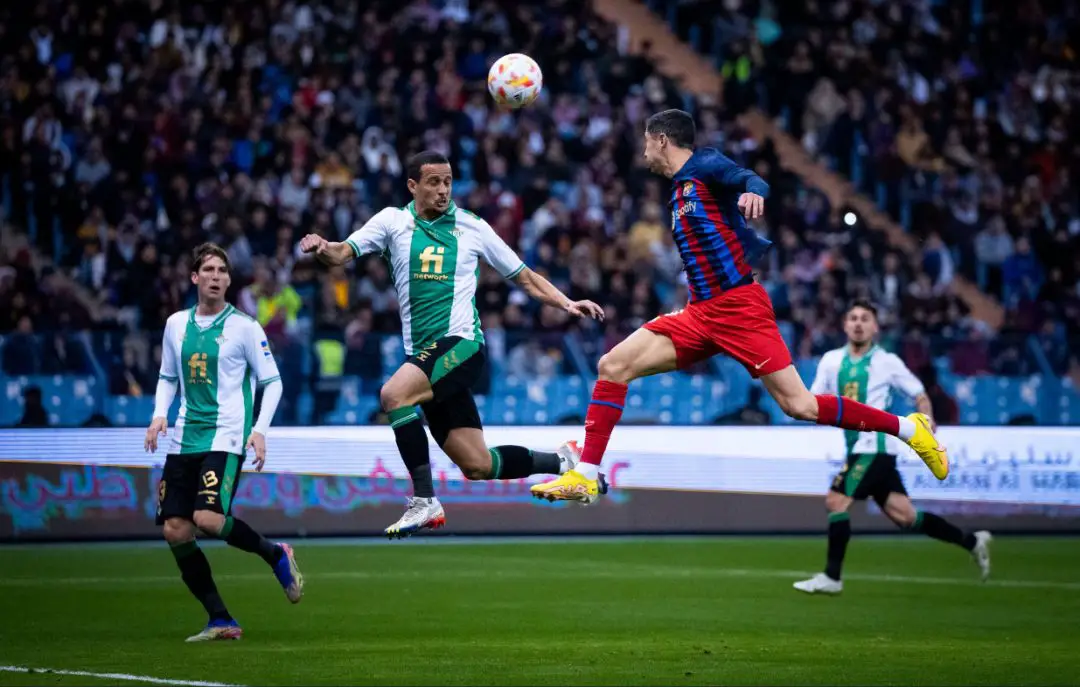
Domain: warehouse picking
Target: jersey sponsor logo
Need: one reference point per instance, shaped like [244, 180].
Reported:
[851, 391]
[220, 340]
[687, 208]
[265, 347]
[431, 264]
[458, 233]
[762, 364]
[197, 369]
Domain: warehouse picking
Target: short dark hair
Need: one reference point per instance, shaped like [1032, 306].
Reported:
[677, 125]
[865, 304]
[208, 250]
[414, 167]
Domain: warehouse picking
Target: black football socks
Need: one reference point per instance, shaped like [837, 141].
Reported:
[195, 571]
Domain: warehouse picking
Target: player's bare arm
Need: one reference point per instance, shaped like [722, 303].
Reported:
[544, 291]
[327, 252]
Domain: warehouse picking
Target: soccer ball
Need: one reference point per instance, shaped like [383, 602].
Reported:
[515, 80]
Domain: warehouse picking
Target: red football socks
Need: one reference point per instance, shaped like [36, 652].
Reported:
[843, 412]
[604, 412]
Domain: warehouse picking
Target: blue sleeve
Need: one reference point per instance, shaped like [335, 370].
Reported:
[727, 173]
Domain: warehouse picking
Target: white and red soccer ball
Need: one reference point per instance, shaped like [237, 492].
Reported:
[515, 80]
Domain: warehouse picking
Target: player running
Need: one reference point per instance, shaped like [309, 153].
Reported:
[863, 372]
[434, 249]
[215, 355]
[711, 199]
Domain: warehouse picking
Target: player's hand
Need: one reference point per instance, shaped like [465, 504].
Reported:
[258, 442]
[585, 309]
[751, 205]
[312, 243]
[157, 428]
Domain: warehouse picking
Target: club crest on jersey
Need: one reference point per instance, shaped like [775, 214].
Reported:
[688, 188]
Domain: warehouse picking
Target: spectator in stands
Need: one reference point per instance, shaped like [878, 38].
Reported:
[260, 122]
[22, 354]
[34, 413]
[1022, 275]
[131, 375]
[276, 306]
[993, 246]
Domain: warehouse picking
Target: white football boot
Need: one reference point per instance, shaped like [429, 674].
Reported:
[820, 584]
[420, 514]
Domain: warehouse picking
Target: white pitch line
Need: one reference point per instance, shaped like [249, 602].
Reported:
[570, 571]
[114, 676]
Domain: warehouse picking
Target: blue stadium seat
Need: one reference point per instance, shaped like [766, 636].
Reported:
[69, 400]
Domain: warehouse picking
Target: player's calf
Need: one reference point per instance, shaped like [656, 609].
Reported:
[240, 535]
[195, 569]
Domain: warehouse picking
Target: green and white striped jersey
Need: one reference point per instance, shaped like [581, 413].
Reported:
[217, 359]
[870, 379]
[435, 265]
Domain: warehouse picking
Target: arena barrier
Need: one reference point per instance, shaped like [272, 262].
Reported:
[99, 483]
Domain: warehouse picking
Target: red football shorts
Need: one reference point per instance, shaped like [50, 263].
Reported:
[740, 323]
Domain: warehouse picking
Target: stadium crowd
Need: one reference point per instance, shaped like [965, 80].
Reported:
[959, 117]
[133, 130]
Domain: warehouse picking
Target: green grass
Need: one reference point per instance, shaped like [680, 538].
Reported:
[671, 612]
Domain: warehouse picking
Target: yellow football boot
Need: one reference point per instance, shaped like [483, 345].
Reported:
[927, 446]
[569, 486]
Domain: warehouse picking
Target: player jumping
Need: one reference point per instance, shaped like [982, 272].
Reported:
[434, 249]
[863, 372]
[711, 199]
[214, 354]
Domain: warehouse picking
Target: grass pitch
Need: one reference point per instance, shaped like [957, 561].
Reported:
[568, 612]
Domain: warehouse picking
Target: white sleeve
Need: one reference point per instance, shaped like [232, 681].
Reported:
[497, 254]
[374, 236]
[259, 357]
[824, 377]
[170, 369]
[900, 377]
[168, 375]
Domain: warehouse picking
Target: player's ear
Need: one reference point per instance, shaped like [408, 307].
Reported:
[412, 184]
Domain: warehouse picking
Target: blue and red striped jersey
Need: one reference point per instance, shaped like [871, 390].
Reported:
[718, 249]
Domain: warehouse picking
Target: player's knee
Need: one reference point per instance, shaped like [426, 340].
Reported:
[836, 503]
[476, 467]
[208, 521]
[177, 531]
[613, 368]
[390, 398]
[903, 516]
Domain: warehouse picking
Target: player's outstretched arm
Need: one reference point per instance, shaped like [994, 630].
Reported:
[327, 252]
[756, 190]
[547, 293]
[372, 237]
